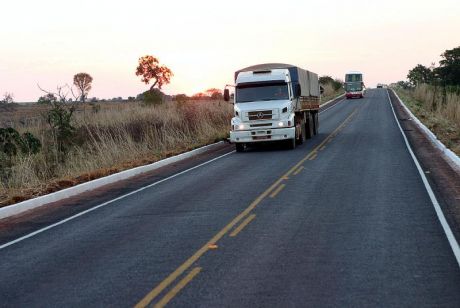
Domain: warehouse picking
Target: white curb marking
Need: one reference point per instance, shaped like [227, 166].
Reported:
[450, 236]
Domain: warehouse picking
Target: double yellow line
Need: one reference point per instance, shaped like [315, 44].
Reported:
[200, 252]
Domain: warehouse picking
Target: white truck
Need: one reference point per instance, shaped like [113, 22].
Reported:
[274, 102]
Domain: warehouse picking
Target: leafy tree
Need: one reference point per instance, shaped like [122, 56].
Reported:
[150, 69]
[403, 84]
[420, 74]
[149, 97]
[335, 83]
[9, 139]
[59, 118]
[181, 98]
[325, 80]
[449, 67]
[214, 93]
[47, 99]
[83, 82]
[200, 96]
[11, 142]
[30, 144]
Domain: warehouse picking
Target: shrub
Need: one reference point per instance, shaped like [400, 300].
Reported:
[59, 119]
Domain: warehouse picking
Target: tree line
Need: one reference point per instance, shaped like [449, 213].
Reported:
[446, 74]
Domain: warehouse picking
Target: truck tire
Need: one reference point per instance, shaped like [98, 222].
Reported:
[303, 131]
[315, 123]
[239, 147]
[309, 126]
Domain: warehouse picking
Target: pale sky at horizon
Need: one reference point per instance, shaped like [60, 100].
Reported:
[204, 42]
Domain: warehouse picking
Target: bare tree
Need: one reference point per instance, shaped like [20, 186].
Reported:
[61, 94]
[83, 83]
[8, 98]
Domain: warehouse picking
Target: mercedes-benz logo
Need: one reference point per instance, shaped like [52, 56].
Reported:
[260, 115]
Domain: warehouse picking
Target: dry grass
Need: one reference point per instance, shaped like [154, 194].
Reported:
[330, 93]
[441, 117]
[117, 137]
[113, 139]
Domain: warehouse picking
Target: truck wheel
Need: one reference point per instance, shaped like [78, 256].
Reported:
[315, 123]
[303, 131]
[239, 147]
[309, 126]
[291, 143]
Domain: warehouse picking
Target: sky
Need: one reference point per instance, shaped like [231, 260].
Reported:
[203, 42]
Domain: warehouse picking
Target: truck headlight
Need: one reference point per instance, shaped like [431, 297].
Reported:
[238, 127]
[281, 124]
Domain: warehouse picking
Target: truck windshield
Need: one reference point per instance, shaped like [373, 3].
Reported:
[261, 92]
[353, 77]
[354, 87]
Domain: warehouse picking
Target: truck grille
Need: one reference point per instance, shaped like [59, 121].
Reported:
[261, 125]
[260, 115]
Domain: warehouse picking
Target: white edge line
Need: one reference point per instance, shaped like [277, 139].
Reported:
[450, 236]
[453, 158]
[108, 202]
[21, 207]
[343, 99]
[27, 205]
[330, 101]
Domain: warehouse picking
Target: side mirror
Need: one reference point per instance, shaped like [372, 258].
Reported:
[321, 90]
[298, 90]
[226, 95]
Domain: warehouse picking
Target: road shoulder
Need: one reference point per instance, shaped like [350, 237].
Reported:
[27, 222]
[443, 178]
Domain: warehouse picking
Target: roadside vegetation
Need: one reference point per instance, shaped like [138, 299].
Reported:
[66, 138]
[433, 95]
[332, 88]
[62, 141]
[100, 143]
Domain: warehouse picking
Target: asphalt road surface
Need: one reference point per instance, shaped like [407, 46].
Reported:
[343, 220]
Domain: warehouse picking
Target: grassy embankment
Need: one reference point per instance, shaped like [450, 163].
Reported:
[330, 93]
[442, 117]
[118, 137]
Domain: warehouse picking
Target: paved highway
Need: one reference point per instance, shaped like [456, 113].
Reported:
[342, 220]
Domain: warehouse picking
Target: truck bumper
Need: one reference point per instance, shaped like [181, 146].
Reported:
[354, 95]
[273, 134]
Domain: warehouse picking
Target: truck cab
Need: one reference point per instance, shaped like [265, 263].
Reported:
[269, 105]
[263, 105]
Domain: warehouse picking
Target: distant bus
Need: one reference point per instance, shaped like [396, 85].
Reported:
[354, 85]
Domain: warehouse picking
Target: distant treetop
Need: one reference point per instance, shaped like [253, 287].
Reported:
[150, 69]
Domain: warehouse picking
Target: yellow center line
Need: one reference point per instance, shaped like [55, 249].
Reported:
[280, 188]
[171, 294]
[314, 156]
[189, 262]
[298, 170]
[322, 148]
[242, 225]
